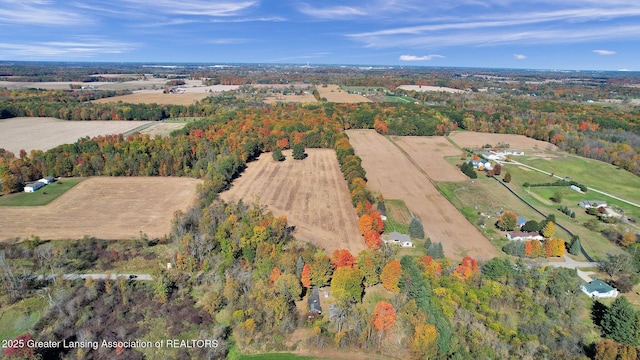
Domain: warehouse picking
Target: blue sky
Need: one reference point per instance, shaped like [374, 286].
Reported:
[540, 34]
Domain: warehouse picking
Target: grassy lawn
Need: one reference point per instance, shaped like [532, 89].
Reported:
[398, 216]
[182, 119]
[43, 196]
[600, 175]
[398, 99]
[18, 318]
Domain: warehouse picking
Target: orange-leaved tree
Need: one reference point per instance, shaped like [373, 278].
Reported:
[342, 258]
[380, 126]
[429, 266]
[390, 276]
[305, 277]
[384, 316]
[275, 274]
[372, 239]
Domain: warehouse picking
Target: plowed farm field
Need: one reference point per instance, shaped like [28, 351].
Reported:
[333, 93]
[30, 133]
[399, 176]
[429, 152]
[312, 194]
[103, 207]
[471, 139]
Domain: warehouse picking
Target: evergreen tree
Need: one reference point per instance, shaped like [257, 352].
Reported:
[619, 322]
[298, 151]
[427, 243]
[277, 154]
[436, 251]
[416, 230]
[574, 248]
[382, 209]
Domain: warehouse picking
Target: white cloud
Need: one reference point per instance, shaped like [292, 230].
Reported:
[331, 13]
[519, 56]
[420, 58]
[82, 47]
[39, 13]
[194, 7]
[604, 52]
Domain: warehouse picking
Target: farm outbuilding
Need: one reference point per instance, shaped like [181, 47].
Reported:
[592, 203]
[522, 236]
[34, 186]
[47, 180]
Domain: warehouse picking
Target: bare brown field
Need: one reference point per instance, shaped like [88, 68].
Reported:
[312, 194]
[104, 207]
[47, 133]
[155, 98]
[395, 176]
[306, 98]
[473, 139]
[423, 88]
[333, 93]
[429, 152]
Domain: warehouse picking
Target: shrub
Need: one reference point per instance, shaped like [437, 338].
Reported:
[298, 151]
[277, 154]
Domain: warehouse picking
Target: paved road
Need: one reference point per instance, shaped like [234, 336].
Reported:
[137, 277]
[569, 263]
[590, 188]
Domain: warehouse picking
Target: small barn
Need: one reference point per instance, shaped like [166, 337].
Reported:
[599, 289]
[34, 186]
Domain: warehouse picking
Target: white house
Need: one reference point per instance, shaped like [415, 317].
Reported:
[515, 152]
[396, 238]
[523, 236]
[47, 180]
[406, 244]
[592, 203]
[599, 289]
[31, 187]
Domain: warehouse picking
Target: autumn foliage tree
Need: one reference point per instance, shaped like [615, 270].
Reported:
[373, 239]
[429, 266]
[380, 126]
[390, 276]
[346, 284]
[423, 344]
[508, 221]
[305, 278]
[342, 258]
[384, 316]
[549, 230]
[466, 268]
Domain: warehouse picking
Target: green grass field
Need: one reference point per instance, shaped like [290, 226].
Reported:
[398, 99]
[592, 173]
[41, 197]
[398, 216]
[182, 119]
[18, 318]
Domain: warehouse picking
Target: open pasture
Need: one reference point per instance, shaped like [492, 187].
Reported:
[333, 93]
[46, 133]
[397, 176]
[472, 139]
[276, 98]
[312, 194]
[110, 208]
[422, 88]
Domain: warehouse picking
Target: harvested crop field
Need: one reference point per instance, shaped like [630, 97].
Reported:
[429, 152]
[471, 139]
[156, 98]
[45, 133]
[396, 176]
[162, 128]
[333, 93]
[104, 207]
[312, 194]
[423, 88]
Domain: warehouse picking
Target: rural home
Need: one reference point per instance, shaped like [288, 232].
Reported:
[599, 289]
[406, 244]
[396, 238]
[31, 187]
[523, 236]
[514, 152]
[47, 180]
[592, 204]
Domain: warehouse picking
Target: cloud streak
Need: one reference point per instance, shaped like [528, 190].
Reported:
[519, 56]
[83, 47]
[420, 58]
[604, 52]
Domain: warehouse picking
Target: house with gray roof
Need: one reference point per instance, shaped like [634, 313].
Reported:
[599, 289]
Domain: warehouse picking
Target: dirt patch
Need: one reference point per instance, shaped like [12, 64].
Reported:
[471, 139]
[45, 133]
[312, 194]
[423, 88]
[390, 172]
[429, 152]
[104, 207]
[333, 93]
